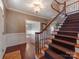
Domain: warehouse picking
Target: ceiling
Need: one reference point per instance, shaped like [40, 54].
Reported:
[25, 6]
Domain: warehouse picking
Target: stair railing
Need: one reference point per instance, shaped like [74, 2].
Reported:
[72, 7]
[55, 5]
[41, 37]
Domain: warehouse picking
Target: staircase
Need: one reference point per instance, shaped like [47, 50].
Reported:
[63, 42]
[63, 45]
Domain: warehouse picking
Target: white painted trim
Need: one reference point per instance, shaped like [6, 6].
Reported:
[12, 39]
[78, 35]
[28, 13]
[77, 50]
[2, 53]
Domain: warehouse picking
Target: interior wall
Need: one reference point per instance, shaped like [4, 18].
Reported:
[15, 22]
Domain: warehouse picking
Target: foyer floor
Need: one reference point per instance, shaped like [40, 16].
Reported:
[30, 51]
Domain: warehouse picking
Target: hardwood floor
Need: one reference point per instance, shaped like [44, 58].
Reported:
[13, 55]
[18, 50]
[30, 51]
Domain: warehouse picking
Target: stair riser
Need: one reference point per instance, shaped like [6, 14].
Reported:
[66, 33]
[66, 56]
[69, 25]
[69, 29]
[74, 16]
[72, 21]
[64, 45]
[75, 23]
[56, 50]
[66, 39]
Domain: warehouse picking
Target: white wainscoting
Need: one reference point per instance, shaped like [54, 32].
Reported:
[11, 39]
[2, 46]
[15, 39]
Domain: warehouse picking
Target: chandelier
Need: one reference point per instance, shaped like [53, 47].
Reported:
[37, 6]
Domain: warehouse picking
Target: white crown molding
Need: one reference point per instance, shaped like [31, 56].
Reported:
[28, 13]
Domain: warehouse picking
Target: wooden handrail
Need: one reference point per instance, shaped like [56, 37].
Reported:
[59, 2]
[56, 16]
[63, 3]
[49, 23]
[55, 9]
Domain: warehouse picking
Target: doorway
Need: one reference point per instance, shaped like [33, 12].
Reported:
[31, 28]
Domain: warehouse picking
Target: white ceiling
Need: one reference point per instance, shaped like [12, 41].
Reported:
[25, 6]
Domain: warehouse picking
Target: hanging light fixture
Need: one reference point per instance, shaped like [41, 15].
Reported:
[37, 6]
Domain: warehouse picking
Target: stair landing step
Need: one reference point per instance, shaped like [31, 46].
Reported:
[54, 55]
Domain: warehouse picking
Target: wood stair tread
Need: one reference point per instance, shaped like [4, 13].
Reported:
[69, 31]
[66, 42]
[66, 36]
[63, 41]
[72, 21]
[69, 27]
[71, 24]
[76, 55]
[54, 55]
[43, 57]
[77, 45]
[67, 51]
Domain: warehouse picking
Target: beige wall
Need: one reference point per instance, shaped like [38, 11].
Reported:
[15, 22]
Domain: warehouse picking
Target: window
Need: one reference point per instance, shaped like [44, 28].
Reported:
[31, 28]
